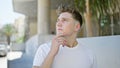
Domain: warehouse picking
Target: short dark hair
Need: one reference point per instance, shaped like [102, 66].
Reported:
[71, 9]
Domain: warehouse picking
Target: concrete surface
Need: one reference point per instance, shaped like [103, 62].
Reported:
[3, 62]
[19, 61]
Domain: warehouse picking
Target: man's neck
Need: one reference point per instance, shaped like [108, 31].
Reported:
[71, 41]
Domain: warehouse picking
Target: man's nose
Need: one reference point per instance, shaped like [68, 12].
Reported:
[59, 23]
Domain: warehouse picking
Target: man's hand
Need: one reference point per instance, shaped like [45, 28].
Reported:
[56, 42]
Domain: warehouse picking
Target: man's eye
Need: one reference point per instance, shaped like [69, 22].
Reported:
[64, 20]
[57, 20]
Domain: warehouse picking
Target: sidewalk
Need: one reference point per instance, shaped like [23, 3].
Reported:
[14, 55]
[3, 62]
[19, 60]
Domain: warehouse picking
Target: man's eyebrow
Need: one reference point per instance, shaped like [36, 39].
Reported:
[64, 18]
[68, 18]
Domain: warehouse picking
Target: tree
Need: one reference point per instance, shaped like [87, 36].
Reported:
[8, 30]
[97, 8]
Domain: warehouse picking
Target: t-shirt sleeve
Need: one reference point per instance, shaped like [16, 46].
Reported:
[38, 59]
[39, 56]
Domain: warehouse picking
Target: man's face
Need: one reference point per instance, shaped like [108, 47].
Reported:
[65, 24]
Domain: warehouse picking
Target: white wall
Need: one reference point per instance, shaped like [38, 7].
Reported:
[106, 49]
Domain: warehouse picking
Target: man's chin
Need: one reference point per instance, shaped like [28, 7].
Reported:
[60, 34]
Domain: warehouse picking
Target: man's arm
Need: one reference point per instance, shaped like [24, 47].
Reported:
[35, 67]
[56, 42]
[47, 62]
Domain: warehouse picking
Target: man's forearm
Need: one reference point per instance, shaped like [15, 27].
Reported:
[47, 63]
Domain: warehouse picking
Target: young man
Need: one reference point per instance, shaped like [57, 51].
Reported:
[64, 51]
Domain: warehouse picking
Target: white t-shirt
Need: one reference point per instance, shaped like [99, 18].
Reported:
[76, 57]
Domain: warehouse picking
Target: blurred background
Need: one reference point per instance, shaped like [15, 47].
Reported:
[25, 24]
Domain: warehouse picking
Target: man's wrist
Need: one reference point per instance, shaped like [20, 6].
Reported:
[52, 54]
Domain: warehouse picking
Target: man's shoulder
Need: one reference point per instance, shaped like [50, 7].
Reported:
[46, 45]
[83, 46]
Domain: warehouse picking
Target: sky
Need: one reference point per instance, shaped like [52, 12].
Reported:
[7, 14]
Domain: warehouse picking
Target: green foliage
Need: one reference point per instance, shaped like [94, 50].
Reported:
[8, 29]
[20, 39]
[104, 21]
[102, 10]
[80, 4]
[103, 7]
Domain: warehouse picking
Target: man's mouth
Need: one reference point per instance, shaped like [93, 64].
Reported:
[59, 29]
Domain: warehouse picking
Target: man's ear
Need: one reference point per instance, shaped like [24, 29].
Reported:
[77, 27]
